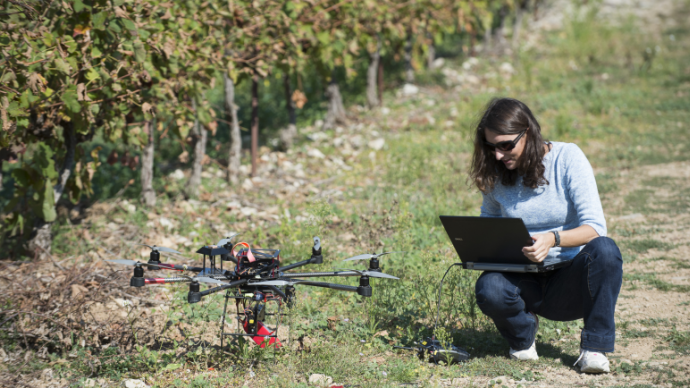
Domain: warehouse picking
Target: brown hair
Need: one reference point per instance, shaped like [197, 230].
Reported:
[508, 116]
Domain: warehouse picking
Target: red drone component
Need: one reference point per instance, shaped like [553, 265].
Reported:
[263, 331]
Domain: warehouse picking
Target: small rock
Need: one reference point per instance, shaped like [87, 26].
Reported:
[88, 383]
[385, 111]
[132, 383]
[409, 90]
[377, 144]
[247, 184]
[177, 175]
[315, 153]
[320, 380]
[248, 211]
[506, 68]
[166, 223]
[438, 63]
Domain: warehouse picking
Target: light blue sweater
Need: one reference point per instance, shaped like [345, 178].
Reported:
[569, 200]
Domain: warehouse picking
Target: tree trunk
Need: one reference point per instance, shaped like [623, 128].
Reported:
[148, 196]
[255, 123]
[235, 154]
[199, 135]
[409, 70]
[68, 165]
[487, 39]
[336, 110]
[287, 135]
[40, 244]
[1, 165]
[517, 26]
[501, 30]
[430, 54]
[379, 79]
[473, 42]
[372, 98]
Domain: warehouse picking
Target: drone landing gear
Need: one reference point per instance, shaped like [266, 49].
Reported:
[251, 319]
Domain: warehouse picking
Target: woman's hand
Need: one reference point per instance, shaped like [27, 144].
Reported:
[538, 251]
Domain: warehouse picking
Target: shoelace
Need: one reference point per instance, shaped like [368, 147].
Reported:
[582, 353]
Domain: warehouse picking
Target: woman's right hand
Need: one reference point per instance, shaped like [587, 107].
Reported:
[540, 249]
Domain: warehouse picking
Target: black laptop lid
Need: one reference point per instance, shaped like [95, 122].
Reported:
[488, 239]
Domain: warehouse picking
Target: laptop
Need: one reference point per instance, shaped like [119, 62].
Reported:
[495, 244]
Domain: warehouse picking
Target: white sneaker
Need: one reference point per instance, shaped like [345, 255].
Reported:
[525, 355]
[592, 362]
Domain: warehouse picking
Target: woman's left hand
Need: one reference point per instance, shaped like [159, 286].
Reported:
[540, 249]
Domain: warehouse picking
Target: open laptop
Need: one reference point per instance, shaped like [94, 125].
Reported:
[494, 244]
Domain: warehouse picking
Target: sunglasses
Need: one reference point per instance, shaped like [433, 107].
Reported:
[505, 145]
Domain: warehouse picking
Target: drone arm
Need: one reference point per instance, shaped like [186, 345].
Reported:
[333, 286]
[319, 274]
[165, 280]
[299, 264]
[223, 287]
[177, 267]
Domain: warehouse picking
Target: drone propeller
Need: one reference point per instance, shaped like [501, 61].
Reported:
[371, 274]
[226, 240]
[161, 249]
[126, 262]
[368, 256]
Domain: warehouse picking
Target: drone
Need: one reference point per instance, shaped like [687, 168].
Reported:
[252, 278]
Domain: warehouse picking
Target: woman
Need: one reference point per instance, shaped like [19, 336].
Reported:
[551, 186]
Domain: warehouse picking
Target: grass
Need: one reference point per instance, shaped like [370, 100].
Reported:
[392, 202]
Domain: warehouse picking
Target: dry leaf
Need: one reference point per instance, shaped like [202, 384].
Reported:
[184, 157]
[299, 99]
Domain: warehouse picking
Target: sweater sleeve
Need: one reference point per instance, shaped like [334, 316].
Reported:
[582, 190]
[490, 207]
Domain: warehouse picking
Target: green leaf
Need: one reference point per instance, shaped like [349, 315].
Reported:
[139, 52]
[92, 74]
[98, 20]
[170, 367]
[70, 99]
[43, 160]
[79, 6]
[62, 66]
[47, 200]
[128, 24]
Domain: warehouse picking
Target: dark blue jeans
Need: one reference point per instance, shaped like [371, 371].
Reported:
[588, 289]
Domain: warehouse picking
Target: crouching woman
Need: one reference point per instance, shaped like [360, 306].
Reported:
[551, 186]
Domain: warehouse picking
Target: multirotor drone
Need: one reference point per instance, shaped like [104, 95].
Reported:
[256, 279]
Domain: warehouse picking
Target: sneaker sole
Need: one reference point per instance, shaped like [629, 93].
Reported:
[595, 370]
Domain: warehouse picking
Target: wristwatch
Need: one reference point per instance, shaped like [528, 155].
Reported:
[558, 238]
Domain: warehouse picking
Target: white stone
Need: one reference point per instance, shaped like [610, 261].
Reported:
[385, 111]
[320, 380]
[315, 153]
[470, 63]
[177, 174]
[438, 63]
[166, 223]
[507, 68]
[248, 211]
[247, 184]
[409, 90]
[132, 383]
[233, 205]
[377, 144]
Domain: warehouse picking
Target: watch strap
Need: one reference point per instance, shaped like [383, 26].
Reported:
[558, 238]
